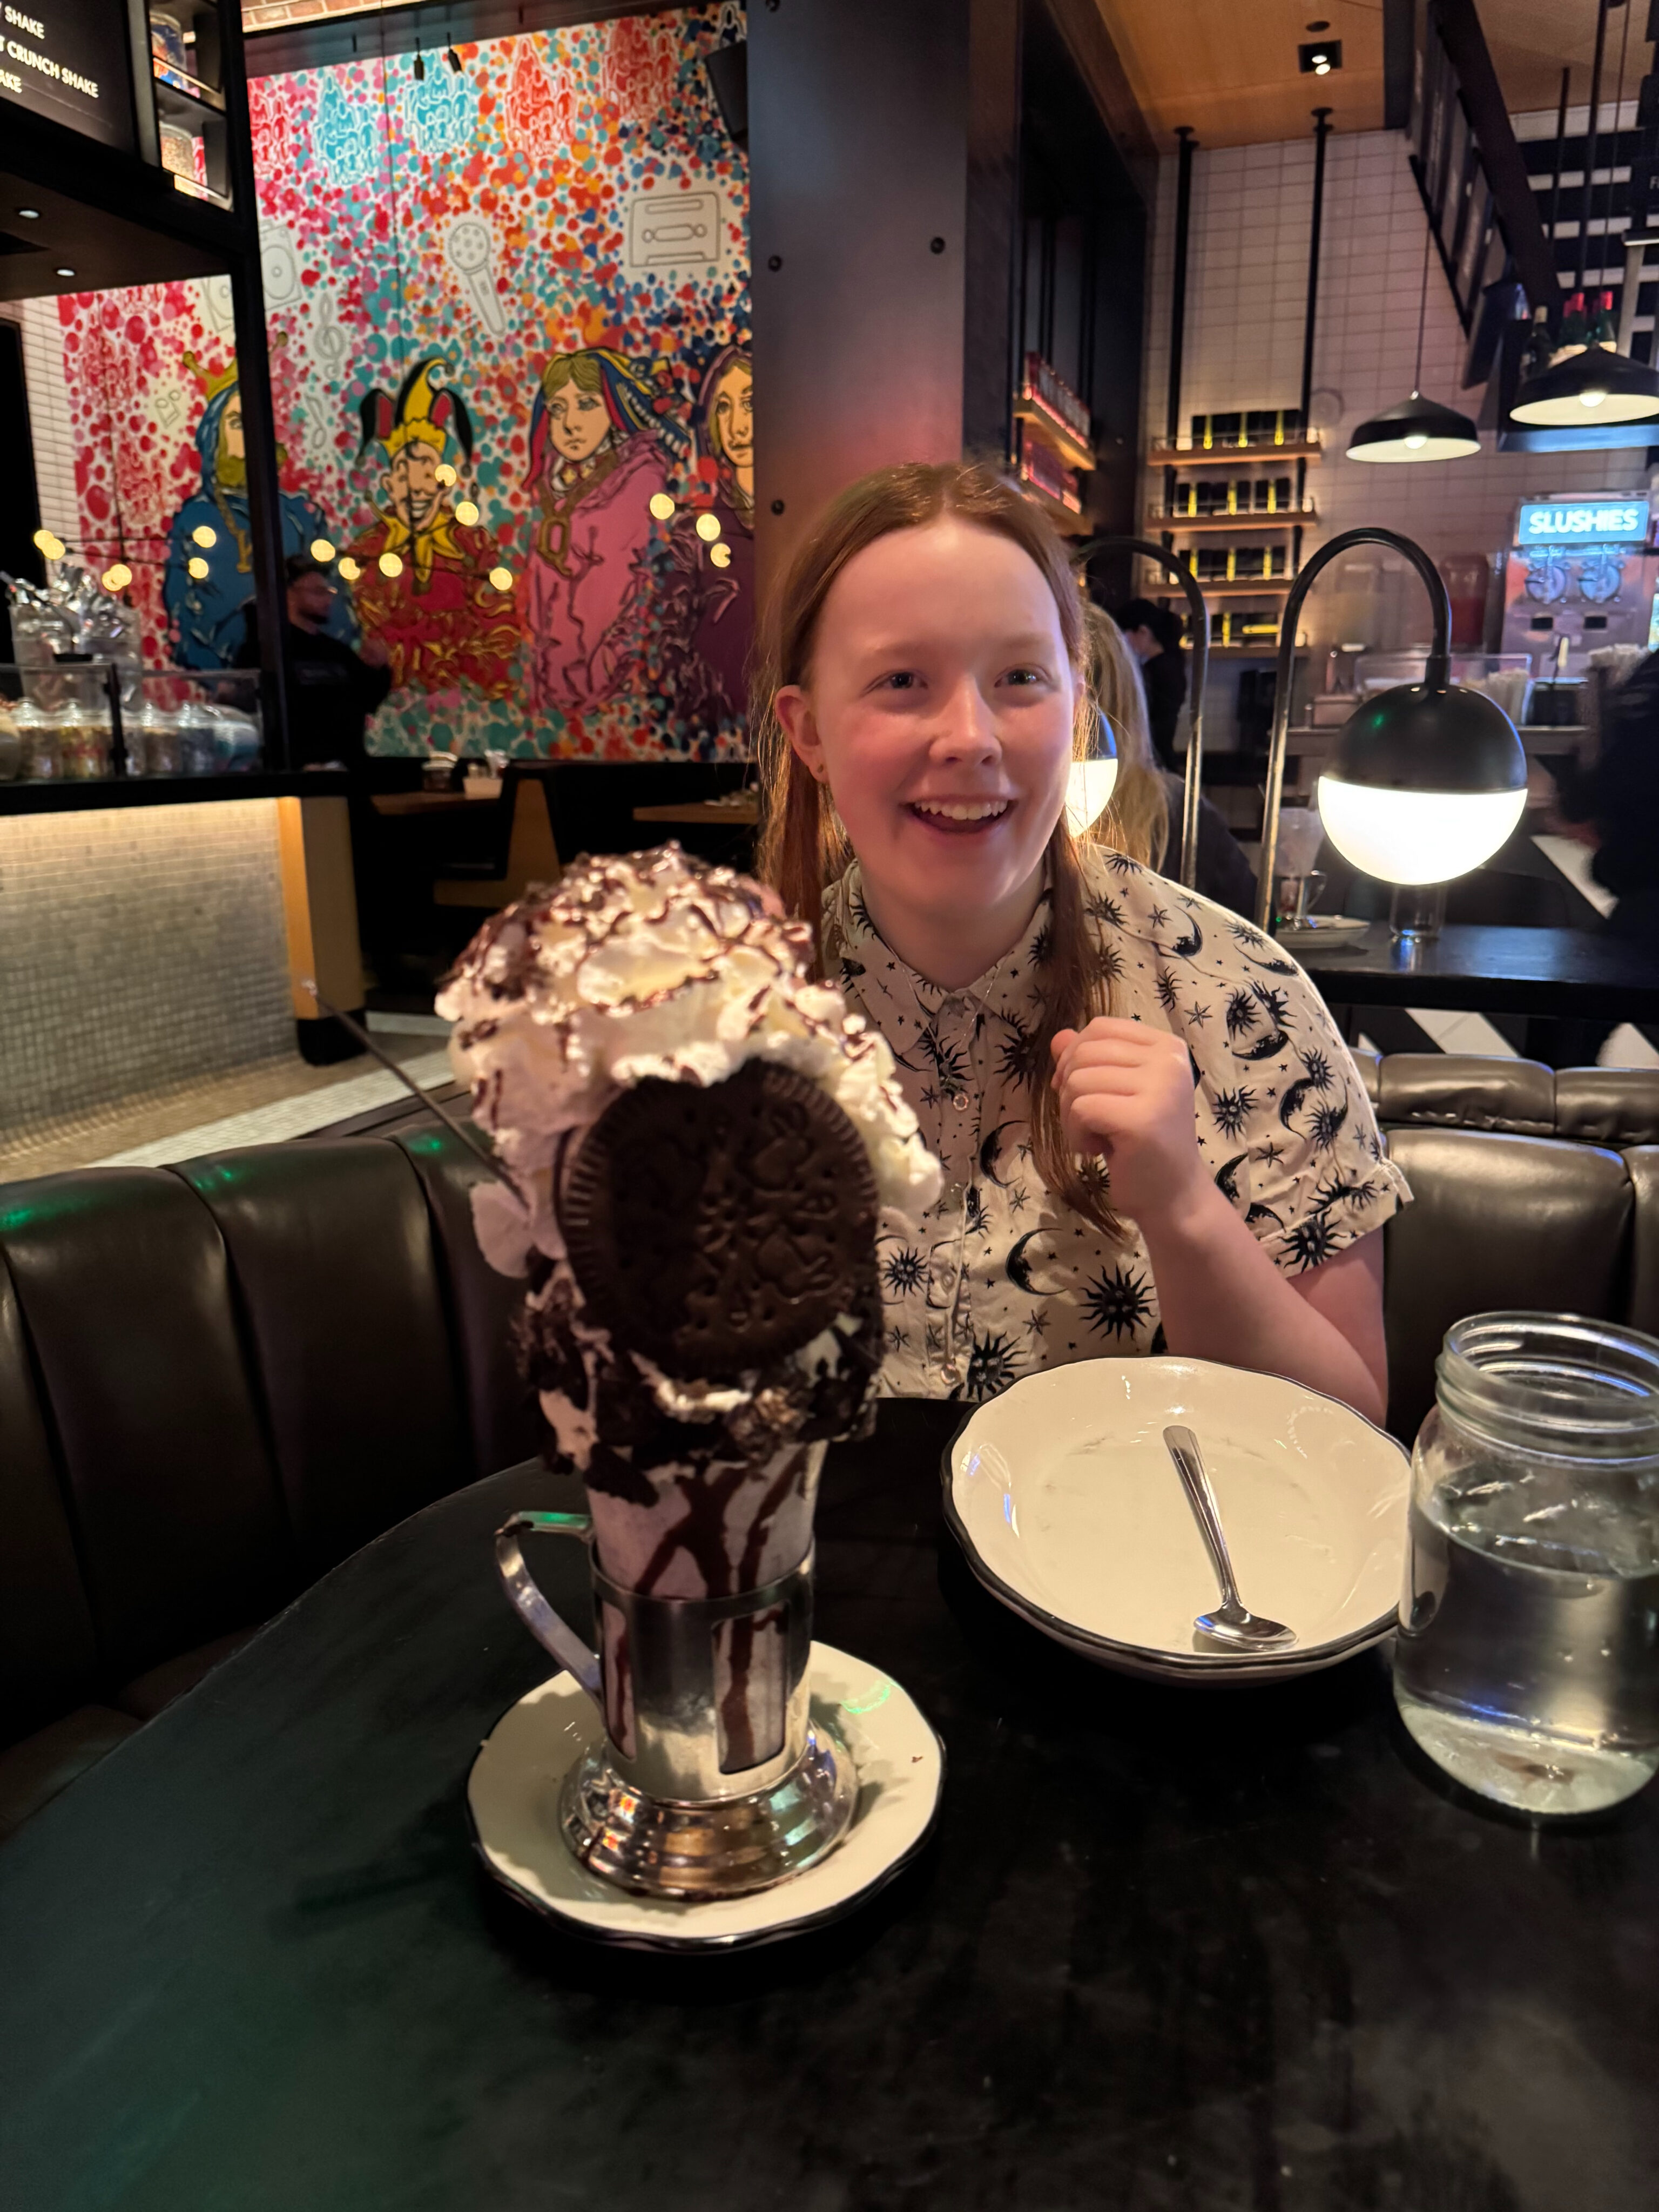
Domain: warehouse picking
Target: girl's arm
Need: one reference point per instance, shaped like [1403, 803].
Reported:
[1126, 1092]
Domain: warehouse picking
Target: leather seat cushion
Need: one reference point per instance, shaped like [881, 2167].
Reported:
[1467, 1090]
[1498, 1221]
[32, 1772]
[151, 1692]
[1607, 1105]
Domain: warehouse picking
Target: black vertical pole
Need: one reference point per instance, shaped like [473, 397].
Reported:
[253, 387]
[1589, 148]
[1322, 133]
[1560, 143]
[1178, 289]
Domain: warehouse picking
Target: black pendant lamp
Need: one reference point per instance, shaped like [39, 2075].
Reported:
[1597, 384]
[1417, 429]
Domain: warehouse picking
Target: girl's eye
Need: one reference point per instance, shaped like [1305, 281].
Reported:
[1024, 676]
[901, 679]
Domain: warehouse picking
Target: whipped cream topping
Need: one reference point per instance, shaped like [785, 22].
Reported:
[642, 965]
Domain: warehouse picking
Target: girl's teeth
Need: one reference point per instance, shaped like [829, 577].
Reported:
[961, 813]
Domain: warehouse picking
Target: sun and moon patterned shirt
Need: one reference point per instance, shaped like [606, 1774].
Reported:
[999, 1278]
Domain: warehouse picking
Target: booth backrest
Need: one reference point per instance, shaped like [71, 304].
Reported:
[216, 1380]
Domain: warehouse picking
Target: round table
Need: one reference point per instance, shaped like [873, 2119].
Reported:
[1169, 1949]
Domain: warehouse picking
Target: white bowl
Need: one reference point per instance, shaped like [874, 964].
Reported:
[1069, 1509]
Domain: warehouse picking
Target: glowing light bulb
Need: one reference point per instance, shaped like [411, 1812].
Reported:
[660, 505]
[117, 576]
[445, 473]
[198, 567]
[721, 554]
[707, 528]
[1591, 399]
[1416, 836]
[348, 568]
[1416, 441]
[321, 549]
[502, 578]
[1321, 68]
[49, 543]
[204, 534]
[390, 565]
[466, 511]
[1089, 788]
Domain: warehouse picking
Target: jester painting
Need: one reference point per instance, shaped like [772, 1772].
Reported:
[599, 454]
[207, 610]
[425, 589]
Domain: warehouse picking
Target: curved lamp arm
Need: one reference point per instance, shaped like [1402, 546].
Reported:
[1200, 615]
[1435, 677]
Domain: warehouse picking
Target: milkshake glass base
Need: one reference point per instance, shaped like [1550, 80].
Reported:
[729, 1848]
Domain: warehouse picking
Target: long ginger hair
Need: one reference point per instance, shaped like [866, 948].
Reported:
[803, 847]
[1137, 821]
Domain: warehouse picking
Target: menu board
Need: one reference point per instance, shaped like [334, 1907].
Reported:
[70, 60]
[1614, 518]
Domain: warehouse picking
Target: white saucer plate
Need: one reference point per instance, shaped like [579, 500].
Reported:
[1066, 1504]
[512, 1797]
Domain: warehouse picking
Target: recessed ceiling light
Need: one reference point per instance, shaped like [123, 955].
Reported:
[1320, 56]
[30, 214]
[66, 272]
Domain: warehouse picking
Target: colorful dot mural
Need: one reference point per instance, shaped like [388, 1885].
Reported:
[508, 309]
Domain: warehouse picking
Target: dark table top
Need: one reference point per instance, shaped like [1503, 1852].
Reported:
[1581, 973]
[1172, 1950]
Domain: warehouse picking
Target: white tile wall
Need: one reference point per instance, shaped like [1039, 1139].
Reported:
[1247, 285]
[49, 418]
[139, 946]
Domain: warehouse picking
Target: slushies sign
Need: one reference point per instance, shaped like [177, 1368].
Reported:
[70, 60]
[1583, 522]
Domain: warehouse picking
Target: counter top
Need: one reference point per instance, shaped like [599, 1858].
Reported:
[96, 793]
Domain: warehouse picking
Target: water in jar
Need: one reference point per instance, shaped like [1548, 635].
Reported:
[1527, 1661]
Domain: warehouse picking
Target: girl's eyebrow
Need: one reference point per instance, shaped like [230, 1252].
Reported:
[1027, 645]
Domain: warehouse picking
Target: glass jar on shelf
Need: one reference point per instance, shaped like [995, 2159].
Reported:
[84, 744]
[39, 731]
[1527, 1659]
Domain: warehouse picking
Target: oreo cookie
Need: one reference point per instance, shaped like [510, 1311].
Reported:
[721, 1227]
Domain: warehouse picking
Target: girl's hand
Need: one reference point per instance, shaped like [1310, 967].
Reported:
[1126, 1091]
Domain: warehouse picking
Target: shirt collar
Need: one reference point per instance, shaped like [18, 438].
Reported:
[866, 960]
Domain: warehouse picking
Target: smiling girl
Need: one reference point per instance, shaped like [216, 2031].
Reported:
[1152, 1136]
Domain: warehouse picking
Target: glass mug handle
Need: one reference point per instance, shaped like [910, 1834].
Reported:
[532, 1608]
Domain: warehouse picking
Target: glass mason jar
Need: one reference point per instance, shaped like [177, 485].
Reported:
[1527, 1659]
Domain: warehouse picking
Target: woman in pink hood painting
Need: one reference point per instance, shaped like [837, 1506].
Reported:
[596, 458]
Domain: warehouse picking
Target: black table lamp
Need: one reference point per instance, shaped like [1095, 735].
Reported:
[1427, 780]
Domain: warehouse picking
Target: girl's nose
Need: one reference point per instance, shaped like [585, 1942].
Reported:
[965, 729]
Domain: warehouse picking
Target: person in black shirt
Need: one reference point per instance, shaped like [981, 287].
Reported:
[334, 691]
[1154, 637]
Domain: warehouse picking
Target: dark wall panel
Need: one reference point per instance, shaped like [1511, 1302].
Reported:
[859, 153]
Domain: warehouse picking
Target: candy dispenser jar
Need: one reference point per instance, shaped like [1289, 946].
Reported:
[1527, 1659]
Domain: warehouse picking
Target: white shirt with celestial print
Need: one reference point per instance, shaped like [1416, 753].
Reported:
[999, 1278]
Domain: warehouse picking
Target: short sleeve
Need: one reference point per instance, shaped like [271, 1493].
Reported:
[1284, 1120]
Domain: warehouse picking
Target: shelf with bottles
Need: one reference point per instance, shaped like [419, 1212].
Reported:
[71, 719]
[1048, 483]
[1282, 518]
[187, 68]
[1046, 404]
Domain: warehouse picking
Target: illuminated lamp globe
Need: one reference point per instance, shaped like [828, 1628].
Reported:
[390, 565]
[1425, 783]
[49, 543]
[117, 576]
[198, 567]
[1091, 782]
[1588, 389]
[1418, 429]
[348, 568]
[502, 578]
[205, 535]
[707, 528]
[466, 512]
[721, 554]
[322, 551]
[661, 505]
[445, 473]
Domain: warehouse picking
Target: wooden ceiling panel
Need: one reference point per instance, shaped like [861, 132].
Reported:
[1230, 68]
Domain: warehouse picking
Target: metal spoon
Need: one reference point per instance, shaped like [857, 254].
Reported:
[1232, 1622]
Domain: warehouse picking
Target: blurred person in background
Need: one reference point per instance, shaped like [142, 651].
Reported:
[1143, 818]
[1154, 635]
